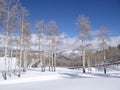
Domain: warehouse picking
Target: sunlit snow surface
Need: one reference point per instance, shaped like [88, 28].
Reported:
[62, 79]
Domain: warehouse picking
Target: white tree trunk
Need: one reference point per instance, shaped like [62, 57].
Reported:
[55, 55]
[21, 47]
[11, 56]
[83, 55]
[52, 60]
[104, 56]
[49, 54]
[6, 44]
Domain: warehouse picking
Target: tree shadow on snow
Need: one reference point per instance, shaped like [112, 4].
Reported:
[87, 75]
[105, 75]
[73, 75]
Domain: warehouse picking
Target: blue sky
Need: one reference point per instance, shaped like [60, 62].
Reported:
[65, 12]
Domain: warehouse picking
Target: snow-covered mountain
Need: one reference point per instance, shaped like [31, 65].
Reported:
[69, 54]
[69, 46]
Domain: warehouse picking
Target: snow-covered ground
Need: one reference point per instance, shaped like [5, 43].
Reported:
[67, 84]
[62, 79]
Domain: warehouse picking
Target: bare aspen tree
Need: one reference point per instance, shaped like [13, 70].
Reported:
[26, 44]
[54, 32]
[88, 55]
[13, 27]
[104, 38]
[17, 44]
[44, 44]
[48, 33]
[8, 8]
[16, 29]
[6, 43]
[49, 61]
[40, 28]
[14, 16]
[3, 13]
[24, 14]
[84, 28]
